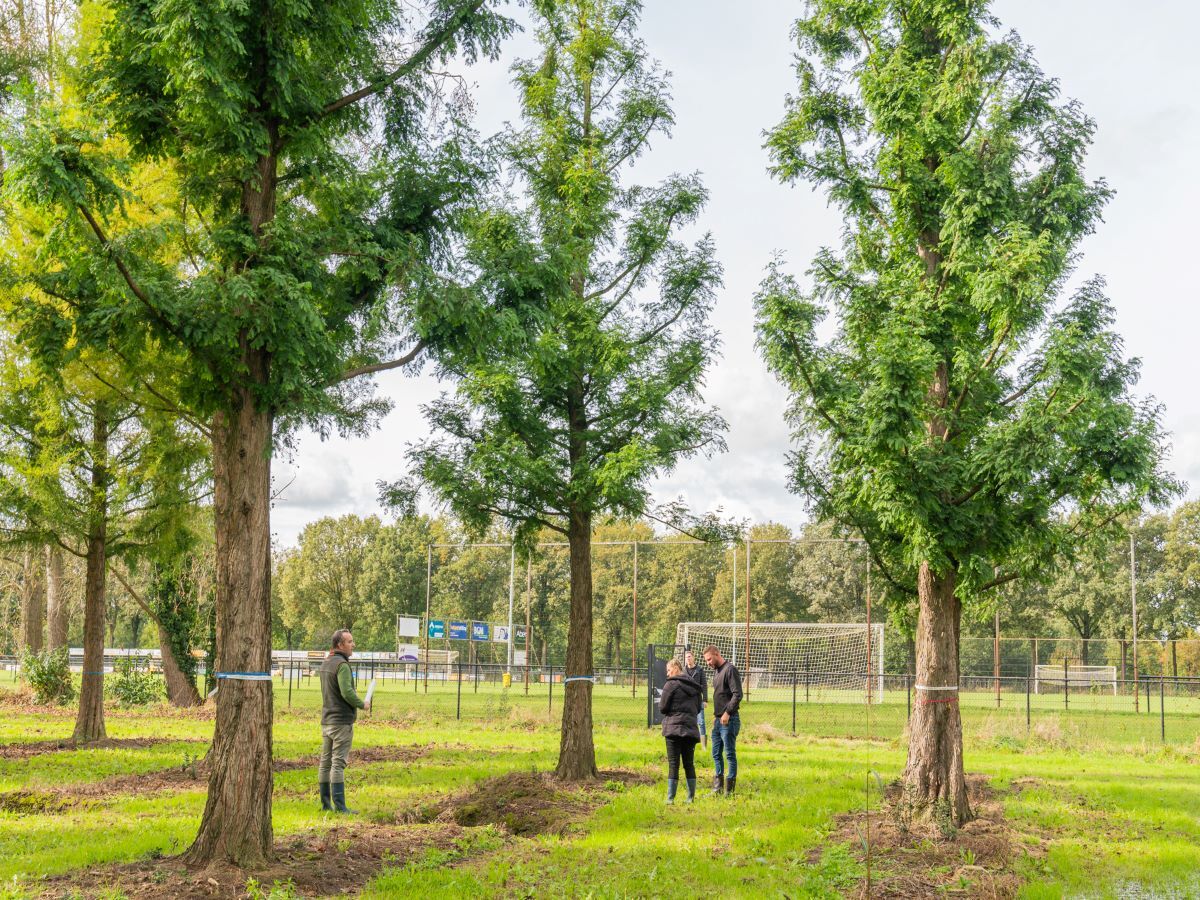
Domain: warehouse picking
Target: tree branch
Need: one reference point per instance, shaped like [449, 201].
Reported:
[383, 366]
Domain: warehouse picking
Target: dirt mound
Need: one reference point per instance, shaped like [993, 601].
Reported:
[528, 803]
[913, 858]
[26, 749]
[338, 860]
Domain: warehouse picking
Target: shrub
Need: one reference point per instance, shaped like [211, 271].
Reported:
[133, 684]
[49, 676]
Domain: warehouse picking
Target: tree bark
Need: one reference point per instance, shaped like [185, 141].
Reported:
[33, 608]
[577, 751]
[181, 690]
[934, 777]
[236, 825]
[89, 723]
[58, 610]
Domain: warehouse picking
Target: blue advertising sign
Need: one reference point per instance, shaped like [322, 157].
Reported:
[479, 631]
[458, 631]
[437, 628]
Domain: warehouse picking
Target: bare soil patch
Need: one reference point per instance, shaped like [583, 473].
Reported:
[918, 859]
[527, 803]
[26, 749]
[340, 860]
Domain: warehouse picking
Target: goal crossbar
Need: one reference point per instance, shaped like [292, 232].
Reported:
[1057, 677]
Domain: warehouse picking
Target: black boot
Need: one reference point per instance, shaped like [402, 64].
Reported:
[718, 784]
[339, 799]
[326, 799]
[691, 784]
[729, 783]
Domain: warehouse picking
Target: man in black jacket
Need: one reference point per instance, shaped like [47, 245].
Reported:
[727, 698]
[695, 672]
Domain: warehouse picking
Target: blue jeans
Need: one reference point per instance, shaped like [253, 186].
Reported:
[700, 721]
[724, 737]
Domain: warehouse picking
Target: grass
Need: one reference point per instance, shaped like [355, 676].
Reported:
[1121, 817]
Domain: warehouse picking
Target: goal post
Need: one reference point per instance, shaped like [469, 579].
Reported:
[832, 655]
[1057, 677]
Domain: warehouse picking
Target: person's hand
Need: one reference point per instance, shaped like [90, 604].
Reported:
[725, 718]
[367, 705]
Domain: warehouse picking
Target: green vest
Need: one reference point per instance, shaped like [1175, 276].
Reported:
[334, 708]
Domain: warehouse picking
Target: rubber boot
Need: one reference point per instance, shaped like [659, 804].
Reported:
[718, 784]
[339, 799]
[729, 783]
[672, 787]
[326, 798]
[691, 783]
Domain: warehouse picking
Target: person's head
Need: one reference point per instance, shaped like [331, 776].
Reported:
[674, 668]
[690, 657]
[713, 656]
[343, 641]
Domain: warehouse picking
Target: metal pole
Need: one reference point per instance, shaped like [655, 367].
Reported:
[733, 611]
[1028, 707]
[512, 574]
[746, 664]
[633, 655]
[996, 659]
[550, 708]
[793, 703]
[428, 595]
[1162, 707]
[528, 591]
[1133, 601]
[1066, 682]
[458, 707]
[868, 643]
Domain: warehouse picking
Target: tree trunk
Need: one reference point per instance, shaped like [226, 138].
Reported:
[181, 690]
[33, 608]
[58, 610]
[89, 723]
[236, 826]
[934, 776]
[577, 752]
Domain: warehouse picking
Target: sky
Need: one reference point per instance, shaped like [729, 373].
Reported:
[731, 65]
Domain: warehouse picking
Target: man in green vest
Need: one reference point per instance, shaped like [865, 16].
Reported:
[340, 704]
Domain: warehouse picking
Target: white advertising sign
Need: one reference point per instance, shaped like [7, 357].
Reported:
[408, 652]
[407, 626]
[500, 634]
[518, 657]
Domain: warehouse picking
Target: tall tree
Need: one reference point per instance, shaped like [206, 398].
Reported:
[304, 252]
[959, 409]
[580, 404]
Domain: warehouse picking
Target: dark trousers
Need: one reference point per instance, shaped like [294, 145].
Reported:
[724, 738]
[681, 749]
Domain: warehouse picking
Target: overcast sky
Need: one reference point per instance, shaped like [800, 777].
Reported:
[1135, 72]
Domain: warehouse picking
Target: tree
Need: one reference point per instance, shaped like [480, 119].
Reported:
[293, 264]
[595, 391]
[960, 409]
[829, 576]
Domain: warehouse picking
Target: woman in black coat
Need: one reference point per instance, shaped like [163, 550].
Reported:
[679, 704]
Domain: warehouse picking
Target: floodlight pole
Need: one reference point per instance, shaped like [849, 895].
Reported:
[633, 655]
[428, 594]
[733, 612]
[512, 574]
[747, 661]
[528, 591]
[1133, 601]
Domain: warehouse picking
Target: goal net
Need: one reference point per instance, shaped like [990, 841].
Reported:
[1053, 679]
[830, 658]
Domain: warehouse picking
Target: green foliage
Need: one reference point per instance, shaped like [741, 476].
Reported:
[49, 676]
[961, 414]
[133, 684]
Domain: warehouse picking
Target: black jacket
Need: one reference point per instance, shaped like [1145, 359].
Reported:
[727, 690]
[696, 673]
[679, 704]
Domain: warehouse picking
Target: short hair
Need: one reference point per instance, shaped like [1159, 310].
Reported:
[674, 665]
[712, 648]
[338, 637]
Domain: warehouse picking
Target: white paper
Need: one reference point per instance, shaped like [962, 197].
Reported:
[370, 692]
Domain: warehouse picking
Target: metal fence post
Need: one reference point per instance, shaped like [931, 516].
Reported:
[1147, 695]
[1028, 706]
[1066, 684]
[458, 707]
[793, 703]
[291, 667]
[550, 708]
[1162, 707]
[907, 697]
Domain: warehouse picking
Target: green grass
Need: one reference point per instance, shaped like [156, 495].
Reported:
[1124, 815]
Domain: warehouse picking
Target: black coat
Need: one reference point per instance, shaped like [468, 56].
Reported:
[697, 675]
[679, 704]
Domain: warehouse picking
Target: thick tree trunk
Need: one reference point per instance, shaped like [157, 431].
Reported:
[934, 776]
[33, 605]
[577, 752]
[236, 826]
[58, 609]
[89, 723]
[181, 690]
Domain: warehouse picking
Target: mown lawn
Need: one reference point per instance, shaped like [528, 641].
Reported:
[1111, 821]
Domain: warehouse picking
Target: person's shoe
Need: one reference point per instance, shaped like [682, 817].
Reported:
[729, 783]
[691, 784]
[672, 787]
[718, 784]
[326, 797]
[339, 799]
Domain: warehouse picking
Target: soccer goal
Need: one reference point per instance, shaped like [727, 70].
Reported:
[1055, 678]
[832, 656]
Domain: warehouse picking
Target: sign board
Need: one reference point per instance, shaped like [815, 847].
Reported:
[500, 634]
[408, 653]
[479, 631]
[408, 626]
[459, 631]
[437, 628]
[518, 657]
[519, 632]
